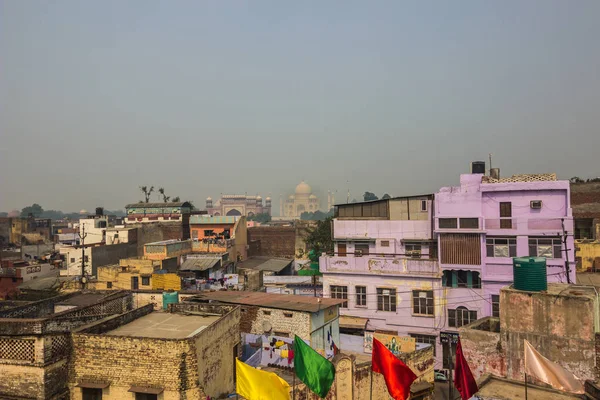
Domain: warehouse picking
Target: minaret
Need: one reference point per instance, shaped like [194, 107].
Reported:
[332, 200]
[280, 205]
[328, 200]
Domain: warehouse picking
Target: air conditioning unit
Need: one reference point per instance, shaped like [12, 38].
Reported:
[535, 204]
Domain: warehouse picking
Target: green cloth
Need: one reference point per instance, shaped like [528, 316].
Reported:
[312, 368]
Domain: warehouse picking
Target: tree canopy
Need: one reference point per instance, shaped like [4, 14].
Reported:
[316, 216]
[368, 196]
[386, 196]
[319, 238]
[262, 218]
[35, 209]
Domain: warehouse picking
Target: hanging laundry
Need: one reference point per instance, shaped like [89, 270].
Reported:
[290, 357]
[279, 343]
[284, 353]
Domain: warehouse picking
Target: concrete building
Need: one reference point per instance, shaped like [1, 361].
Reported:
[385, 266]
[35, 341]
[134, 274]
[93, 228]
[121, 234]
[303, 200]
[562, 323]
[188, 352]
[220, 235]
[386, 259]
[15, 273]
[94, 256]
[171, 220]
[282, 315]
[585, 200]
[25, 230]
[238, 205]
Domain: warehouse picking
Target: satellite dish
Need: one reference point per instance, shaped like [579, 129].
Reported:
[267, 326]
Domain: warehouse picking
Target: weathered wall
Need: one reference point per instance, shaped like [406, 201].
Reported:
[483, 349]
[275, 241]
[283, 323]
[154, 297]
[156, 232]
[559, 327]
[106, 255]
[589, 253]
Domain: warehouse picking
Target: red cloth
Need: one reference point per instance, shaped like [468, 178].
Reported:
[290, 356]
[398, 377]
[463, 378]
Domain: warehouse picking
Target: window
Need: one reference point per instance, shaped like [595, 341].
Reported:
[461, 316]
[423, 205]
[145, 280]
[281, 334]
[372, 209]
[501, 247]
[496, 305]
[361, 249]
[447, 223]
[146, 396]
[194, 234]
[109, 285]
[72, 259]
[460, 248]
[385, 243]
[288, 314]
[91, 394]
[413, 250]
[361, 296]
[340, 292]
[341, 249]
[506, 215]
[86, 258]
[208, 233]
[461, 279]
[469, 223]
[266, 312]
[545, 247]
[427, 339]
[386, 299]
[423, 302]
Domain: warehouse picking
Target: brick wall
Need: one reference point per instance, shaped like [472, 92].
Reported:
[256, 319]
[275, 241]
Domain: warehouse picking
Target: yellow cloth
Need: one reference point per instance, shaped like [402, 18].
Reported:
[279, 343]
[284, 353]
[254, 384]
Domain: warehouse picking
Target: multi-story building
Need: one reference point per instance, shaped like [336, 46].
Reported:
[386, 253]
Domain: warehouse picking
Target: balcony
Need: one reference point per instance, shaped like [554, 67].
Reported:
[527, 226]
[379, 265]
[212, 245]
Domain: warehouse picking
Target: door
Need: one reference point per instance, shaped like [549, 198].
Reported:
[91, 394]
[135, 284]
[342, 249]
[506, 212]
[361, 249]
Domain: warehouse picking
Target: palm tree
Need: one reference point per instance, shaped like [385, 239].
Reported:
[162, 192]
[147, 192]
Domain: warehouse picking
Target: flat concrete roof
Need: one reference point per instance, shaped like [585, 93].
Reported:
[162, 325]
[504, 389]
[83, 299]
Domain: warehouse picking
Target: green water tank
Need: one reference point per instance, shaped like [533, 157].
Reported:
[529, 274]
[170, 298]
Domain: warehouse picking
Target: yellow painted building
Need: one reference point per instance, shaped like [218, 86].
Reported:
[587, 254]
[136, 274]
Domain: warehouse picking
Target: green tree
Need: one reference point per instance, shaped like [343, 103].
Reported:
[35, 209]
[386, 196]
[147, 192]
[162, 193]
[177, 199]
[368, 196]
[319, 238]
[262, 218]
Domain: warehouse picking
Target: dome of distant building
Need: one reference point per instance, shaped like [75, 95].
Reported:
[291, 197]
[268, 198]
[82, 212]
[208, 198]
[303, 188]
[312, 196]
[14, 213]
[258, 198]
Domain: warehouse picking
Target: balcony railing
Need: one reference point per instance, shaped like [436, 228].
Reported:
[212, 245]
[379, 265]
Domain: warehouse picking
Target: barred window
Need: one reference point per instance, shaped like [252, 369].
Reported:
[496, 305]
[427, 339]
[340, 292]
[423, 302]
[361, 296]
[386, 299]
[460, 317]
[501, 247]
[545, 247]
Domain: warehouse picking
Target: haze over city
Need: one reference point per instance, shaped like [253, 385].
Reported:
[204, 98]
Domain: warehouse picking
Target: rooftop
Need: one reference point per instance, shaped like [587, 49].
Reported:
[520, 178]
[165, 326]
[265, 264]
[158, 205]
[83, 299]
[199, 263]
[207, 220]
[271, 300]
[494, 388]
[563, 289]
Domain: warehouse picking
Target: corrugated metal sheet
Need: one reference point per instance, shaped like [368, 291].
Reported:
[199, 264]
[205, 220]
[272, 300]
[265, 264]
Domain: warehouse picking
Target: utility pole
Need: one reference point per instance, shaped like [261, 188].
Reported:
[82, 236]
[564, 235]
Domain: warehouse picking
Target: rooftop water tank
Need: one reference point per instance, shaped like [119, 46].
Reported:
[170, 298]
[530, 274]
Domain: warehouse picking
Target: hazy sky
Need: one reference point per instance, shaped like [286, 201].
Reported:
[209, 97]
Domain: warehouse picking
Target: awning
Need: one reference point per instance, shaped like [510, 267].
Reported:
[417, 240]
[199, 264]
[354, 239]
[353, 322]
[147, 390]
[93, 385]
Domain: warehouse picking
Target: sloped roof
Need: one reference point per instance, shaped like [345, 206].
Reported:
[199, 264]
[265, 264]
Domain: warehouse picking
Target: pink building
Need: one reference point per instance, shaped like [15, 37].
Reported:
[386, 253]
